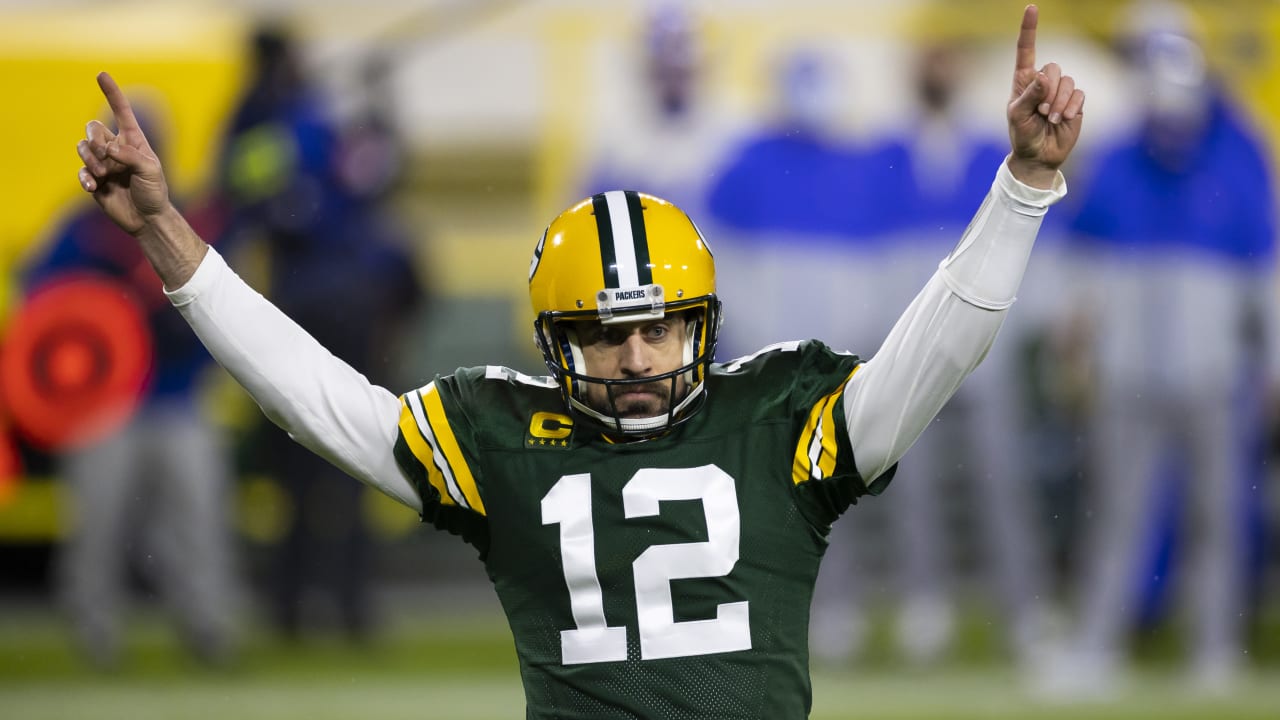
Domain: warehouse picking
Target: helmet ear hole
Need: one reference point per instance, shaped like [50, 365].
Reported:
[692, 333]
[571, 351]
[692, 330]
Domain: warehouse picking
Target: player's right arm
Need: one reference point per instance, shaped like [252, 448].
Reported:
[318, 399]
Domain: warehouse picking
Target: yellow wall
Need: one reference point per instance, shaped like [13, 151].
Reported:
[187, 59]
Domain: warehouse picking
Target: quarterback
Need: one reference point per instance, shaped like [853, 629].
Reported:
[651, 520]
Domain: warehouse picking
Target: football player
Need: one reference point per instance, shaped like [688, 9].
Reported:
[652, 521]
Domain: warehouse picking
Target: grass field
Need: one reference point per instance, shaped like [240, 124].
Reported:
[463, 668]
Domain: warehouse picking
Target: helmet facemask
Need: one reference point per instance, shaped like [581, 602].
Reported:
[558, 336]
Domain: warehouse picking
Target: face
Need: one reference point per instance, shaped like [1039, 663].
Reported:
[938, 73]
[628, 351]
[1178, 97]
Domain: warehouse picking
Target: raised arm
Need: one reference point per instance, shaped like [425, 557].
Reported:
[949, 327]
[126, 179]
[318, 399]
[1044, 114]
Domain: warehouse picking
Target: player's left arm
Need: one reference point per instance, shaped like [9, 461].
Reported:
[948, 328]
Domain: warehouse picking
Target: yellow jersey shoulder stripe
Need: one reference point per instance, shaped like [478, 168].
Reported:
[422, 452]
[431, 439]
[815, 457]
[465, 480]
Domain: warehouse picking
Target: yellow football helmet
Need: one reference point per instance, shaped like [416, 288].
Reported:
[620, 257]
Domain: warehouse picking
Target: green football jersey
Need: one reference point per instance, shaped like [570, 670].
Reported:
[669, 578]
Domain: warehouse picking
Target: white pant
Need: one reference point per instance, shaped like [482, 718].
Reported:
[154, 494]
[1135, 430]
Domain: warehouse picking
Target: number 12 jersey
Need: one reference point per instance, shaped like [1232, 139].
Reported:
[668, 578]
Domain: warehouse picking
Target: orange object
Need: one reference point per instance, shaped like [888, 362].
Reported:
[10, 468]
[75, 362]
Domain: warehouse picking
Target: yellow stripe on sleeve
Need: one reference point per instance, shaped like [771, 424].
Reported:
[800, 468]
[452, 451]
[815, 456]
[418, 446]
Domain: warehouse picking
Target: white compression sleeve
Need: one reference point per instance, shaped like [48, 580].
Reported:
[947, 329]
[321, 401]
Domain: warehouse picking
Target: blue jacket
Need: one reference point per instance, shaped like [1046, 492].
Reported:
[1218, 199]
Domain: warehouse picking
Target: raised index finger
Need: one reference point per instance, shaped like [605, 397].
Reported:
[125, 120]
[1027, 39]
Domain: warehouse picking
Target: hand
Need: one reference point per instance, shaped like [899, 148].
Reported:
[1045, 111]
[121, 169]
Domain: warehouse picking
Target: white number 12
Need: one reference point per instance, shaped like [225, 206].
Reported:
[568, 505]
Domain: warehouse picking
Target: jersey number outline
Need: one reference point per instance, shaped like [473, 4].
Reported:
[593, 640]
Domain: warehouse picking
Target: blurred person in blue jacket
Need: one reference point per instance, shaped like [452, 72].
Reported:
[1175, 234]
[312, 192]
[919, 186]
[153, 495]
[792, 206]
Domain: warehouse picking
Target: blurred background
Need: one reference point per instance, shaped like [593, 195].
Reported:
[1089, 532]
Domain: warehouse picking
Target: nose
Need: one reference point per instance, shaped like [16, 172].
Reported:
[634, 360]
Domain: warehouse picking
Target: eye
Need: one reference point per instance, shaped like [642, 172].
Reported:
[589, 335]
[658, 331]
[605, 336]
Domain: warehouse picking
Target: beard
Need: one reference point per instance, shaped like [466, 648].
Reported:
[641, 400]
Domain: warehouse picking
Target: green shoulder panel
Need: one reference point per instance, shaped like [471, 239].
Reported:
[799, 385]
[447, 426]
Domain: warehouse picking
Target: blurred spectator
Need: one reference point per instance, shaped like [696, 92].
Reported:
[1175, 233]
[790, 209]
[981, 439]
[804, 218]
[671, 146]
[152, 496]
[917, 195]
[313, 195]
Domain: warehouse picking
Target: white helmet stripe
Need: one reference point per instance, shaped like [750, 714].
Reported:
[624, 249]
